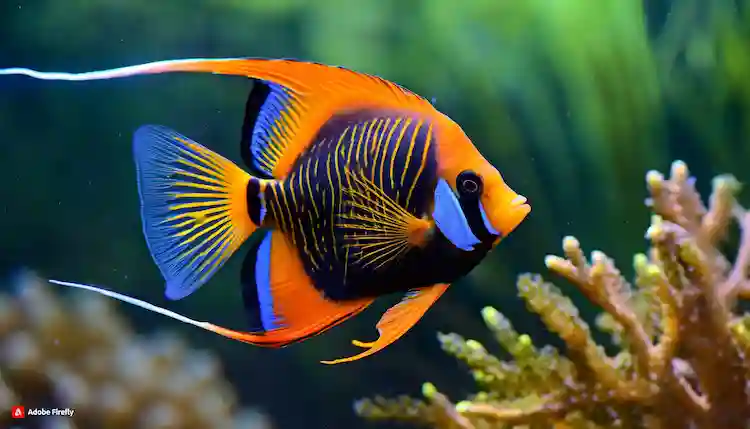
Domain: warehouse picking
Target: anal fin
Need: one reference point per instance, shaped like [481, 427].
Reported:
[398, 320]
[298, 307]
[291, 309]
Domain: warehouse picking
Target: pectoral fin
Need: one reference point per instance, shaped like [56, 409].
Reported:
[398, 320]
[377, 229]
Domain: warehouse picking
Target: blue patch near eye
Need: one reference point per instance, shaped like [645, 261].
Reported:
[450, 219]
[486, 221]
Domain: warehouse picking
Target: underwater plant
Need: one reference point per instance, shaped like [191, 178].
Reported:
[684, 358]
[80, 354]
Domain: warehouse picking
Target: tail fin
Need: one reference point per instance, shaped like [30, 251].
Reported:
[197, 207]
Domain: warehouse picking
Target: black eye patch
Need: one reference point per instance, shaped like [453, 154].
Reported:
[469, 187]
[469, 184]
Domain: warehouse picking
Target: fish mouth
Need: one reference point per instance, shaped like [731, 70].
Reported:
[512, 214]
[518, 201]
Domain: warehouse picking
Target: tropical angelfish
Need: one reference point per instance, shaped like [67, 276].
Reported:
[360, 188]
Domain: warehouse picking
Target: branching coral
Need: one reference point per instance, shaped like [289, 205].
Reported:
[685, 349]
[80, 353]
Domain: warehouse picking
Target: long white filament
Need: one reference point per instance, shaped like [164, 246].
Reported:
[115, 73]
[136, 302]
[140, 69]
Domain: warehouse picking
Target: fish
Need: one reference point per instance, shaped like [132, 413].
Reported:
[355, 188]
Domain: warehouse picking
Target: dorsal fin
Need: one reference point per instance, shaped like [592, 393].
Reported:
[284, 112]
[265, 131]
[315, 93]
[253, 107]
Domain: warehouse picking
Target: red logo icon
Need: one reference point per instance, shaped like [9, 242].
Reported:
[17, 412]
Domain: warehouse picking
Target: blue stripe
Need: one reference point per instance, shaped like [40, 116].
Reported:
[263, 280]
[486, 221]
[268, 123]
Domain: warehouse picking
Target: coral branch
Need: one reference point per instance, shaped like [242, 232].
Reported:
[737, 283]
[603, 285]
[685, 352]
[514, 412]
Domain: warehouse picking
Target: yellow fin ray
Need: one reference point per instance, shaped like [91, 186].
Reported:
[194, 207]
[378, 228]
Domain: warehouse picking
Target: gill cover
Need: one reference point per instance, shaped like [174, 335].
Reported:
[450, 219]
[462, 218]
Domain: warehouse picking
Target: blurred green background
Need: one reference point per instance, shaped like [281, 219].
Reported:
[572, 100]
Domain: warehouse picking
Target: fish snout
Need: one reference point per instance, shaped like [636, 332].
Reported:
[510, 213]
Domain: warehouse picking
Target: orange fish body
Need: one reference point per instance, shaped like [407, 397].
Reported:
[362, 188]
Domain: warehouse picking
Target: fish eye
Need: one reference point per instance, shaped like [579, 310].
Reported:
[469, 183]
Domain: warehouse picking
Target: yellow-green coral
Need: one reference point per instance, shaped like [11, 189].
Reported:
[684, 359]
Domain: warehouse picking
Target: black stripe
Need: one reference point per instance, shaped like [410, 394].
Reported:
[253, 200]
[250, 288]
[255, 100]
[470, 207]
